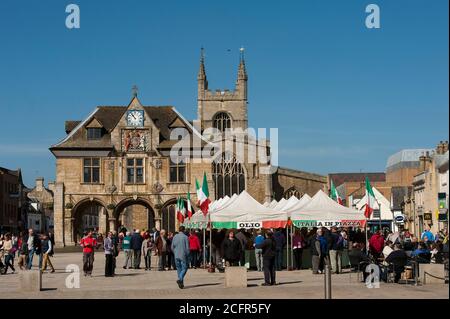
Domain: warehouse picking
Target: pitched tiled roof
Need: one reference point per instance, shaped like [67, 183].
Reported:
[341, 178]
[70, 125]
[109, 116]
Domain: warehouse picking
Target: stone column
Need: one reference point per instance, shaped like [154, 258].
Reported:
[268, 188]
[102, 221]
[58, 214]
[69, 222]
[112, 223]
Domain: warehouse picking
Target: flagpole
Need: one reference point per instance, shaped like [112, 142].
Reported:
[210, 239]
[204, 247]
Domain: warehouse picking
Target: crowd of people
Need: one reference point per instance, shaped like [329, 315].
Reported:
[391, 251]
[25, 246]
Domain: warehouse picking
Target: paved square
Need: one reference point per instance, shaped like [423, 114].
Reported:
[130, 283]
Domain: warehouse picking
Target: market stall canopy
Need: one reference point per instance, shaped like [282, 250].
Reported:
[283, 203]
[273, 203]
[323, 211]
[246, 212]
[297, 206]
[380, 200]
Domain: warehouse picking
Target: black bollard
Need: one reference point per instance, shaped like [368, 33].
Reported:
[327, 283]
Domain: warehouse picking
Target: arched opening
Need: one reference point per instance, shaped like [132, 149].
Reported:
[134, 214]
[222, 121]
[169, 220]
[228, 175]
[87, 216]
[292, 192]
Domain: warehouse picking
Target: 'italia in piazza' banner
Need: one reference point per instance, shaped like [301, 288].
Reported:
[328, 224]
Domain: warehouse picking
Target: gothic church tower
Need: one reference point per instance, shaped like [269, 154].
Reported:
[222, 108]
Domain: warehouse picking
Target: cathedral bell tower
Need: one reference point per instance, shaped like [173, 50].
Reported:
[222, 108]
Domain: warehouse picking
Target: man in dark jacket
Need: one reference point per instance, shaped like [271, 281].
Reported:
[231, 248]
[243, 240]
[397, 261]
[269, 248]
[280, 241]
[136, 245]
[335, 247]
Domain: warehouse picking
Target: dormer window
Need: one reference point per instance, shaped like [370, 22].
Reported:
[94, 133]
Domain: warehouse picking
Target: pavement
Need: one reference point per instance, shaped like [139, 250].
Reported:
[199, 284]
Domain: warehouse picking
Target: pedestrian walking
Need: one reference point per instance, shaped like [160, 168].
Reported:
[34, 243]
[269, 247]
[161, 249]
[22, 253]
[126, 246]
[136, 246]
[318, 248]
[9, 252]
[89, 243]
[195, 249]
[231, 248]
[180, 247]
[258, 251]
[47, 249]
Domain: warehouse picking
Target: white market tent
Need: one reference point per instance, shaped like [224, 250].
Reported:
[246, 212]
[273, 203]
[297, 206]
[284, 204]
[323, 211]
[381, 203]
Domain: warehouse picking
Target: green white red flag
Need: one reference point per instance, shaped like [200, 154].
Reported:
[189, 208]
[334, 195]
[180, 210]
[203, 195]
[370, 197]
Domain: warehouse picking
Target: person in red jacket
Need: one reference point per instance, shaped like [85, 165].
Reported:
[195, 249]
[376, 244]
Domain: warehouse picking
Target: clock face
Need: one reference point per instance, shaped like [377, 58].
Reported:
[135, 118]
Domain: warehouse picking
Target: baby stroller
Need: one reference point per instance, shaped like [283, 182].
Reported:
[2, 268]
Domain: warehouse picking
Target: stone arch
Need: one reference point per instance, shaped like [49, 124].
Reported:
[292, 191]
[228, 174]
[169, 220]
[137, 218]
[222, 120]
[88, 214]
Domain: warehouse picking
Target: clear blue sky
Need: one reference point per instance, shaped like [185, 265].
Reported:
[343, 97]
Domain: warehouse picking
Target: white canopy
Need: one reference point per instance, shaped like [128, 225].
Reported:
[323, 211]
[283, 204]
[381, 203]
[246, 212]
[298, 205]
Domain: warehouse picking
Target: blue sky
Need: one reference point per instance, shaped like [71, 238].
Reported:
[343, 97]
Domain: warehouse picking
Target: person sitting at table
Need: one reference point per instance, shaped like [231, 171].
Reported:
[397, 261]
[421, 254]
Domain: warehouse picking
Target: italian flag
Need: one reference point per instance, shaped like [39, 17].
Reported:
[203, 195]
[180, 210]
[189, 208]
[370, 199]
[334, 194]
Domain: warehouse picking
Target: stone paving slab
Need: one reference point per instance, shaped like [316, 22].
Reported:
[200, 284]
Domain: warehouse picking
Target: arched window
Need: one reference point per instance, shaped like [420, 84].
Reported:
[291, 191]
[222, 121]
[228, 176]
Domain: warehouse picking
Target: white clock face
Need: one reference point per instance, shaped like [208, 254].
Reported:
[135, 118]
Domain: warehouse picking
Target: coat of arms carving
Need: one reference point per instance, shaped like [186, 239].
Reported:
[135, 140]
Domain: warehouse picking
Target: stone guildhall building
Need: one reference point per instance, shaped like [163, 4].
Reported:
[114, 168]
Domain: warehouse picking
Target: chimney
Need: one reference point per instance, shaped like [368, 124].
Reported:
[422, 161]
[439, 148]
[444, 147]
[39, 184]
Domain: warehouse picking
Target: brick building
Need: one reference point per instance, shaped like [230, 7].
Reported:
[13, 204]
[118, 167]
